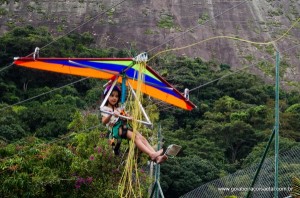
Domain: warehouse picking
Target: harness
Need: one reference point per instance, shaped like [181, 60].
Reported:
[115, 139]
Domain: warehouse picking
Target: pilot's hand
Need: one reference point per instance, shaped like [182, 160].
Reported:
[116, 113]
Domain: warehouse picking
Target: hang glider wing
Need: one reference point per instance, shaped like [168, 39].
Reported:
[106, 68]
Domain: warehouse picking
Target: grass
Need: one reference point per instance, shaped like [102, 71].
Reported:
[3, 12]
[166, 22]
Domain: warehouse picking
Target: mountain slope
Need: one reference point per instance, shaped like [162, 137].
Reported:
[156, 25]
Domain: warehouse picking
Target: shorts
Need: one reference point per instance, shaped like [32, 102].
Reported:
[116, 127]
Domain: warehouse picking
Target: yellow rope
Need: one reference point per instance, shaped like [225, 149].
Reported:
[229, 37]
[129, 185]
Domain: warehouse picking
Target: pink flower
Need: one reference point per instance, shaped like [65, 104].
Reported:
[99, 149]
[102, 135]
[89, 180]
[92, 157]
[77, 186]
[116, 171]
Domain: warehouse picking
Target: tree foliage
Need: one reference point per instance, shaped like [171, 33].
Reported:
[52, 143]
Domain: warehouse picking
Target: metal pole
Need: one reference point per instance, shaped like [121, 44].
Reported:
[157, 170]
[140, 105]
[160, 190]
[150, 189]
[156, 189]
[276, 126]
[108, 93]
[153, 189]
[261, 163]
[123, 93]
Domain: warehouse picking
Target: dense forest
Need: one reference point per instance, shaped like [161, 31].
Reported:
[52, 143]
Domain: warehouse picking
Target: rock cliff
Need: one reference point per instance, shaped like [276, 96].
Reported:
[152, 26]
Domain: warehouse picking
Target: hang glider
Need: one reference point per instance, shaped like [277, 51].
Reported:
[106, 68]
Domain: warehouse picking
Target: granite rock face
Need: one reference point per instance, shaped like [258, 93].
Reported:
[152, 26]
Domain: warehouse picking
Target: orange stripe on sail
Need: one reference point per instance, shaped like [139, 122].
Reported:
[158, 94]
[65, 69]
[89, 72]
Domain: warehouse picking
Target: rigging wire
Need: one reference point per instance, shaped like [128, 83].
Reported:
[238, 70]
[232, 38]
[93, 18]
[179, 48]
[6, 67]
[54, 140]
[148, 51]
[228, 37]
[93, 127]
[82, 79]
[190, 29]
[66, 34]
[42, 94]
[224, 76]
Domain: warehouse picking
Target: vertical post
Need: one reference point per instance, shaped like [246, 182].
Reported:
[156, 186]
[276, 126]
[123, 90]
[157, 169]
[150, 189]
[261, 162]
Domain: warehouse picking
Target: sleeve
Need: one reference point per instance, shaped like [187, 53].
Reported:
[105, 108]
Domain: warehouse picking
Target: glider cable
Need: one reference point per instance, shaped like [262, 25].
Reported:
[55, 140]
[60, 37]
[190, 29]
[36, 52]
[6, 67]
[93, 18]
[224, 76]
[55, 89]
[230, 37]
[235, 71]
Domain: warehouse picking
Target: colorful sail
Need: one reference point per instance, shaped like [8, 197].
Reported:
[106, 68]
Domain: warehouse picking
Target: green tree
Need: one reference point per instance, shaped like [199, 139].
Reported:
[51, 118]
[257, 151]
[11, 126]
[190, 172]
